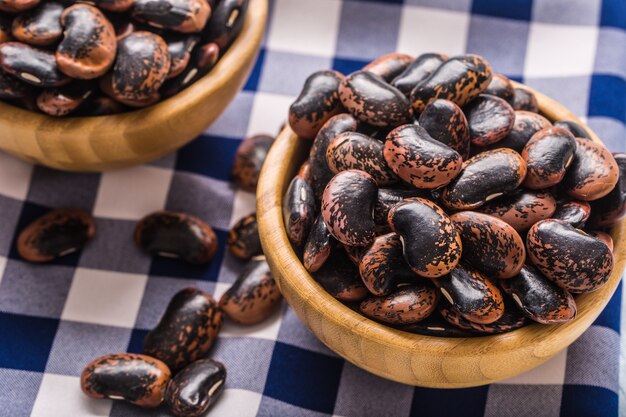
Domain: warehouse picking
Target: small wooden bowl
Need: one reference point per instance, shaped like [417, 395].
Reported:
[425, 361]
[107, 142]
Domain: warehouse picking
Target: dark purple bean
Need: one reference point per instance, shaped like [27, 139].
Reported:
[501, 86]
[194, 390]
[298, 210]
[318, 246]
[33, 66]
[446, 122]
[575, 213]
[523, 99]
[249, 158]
[611, 208]
[40, 26]
[490, 119]
[187, 16]
[339, 276]
[418, 71]
[521, 209]
[593, 173]
[226, 22]
[389, 66]
[243, 239]
[408, 304]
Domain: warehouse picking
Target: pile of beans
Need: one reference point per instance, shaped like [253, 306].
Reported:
[173, 368]
[433, 177]
[90, 58]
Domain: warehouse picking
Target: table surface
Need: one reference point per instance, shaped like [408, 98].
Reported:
[104, 299]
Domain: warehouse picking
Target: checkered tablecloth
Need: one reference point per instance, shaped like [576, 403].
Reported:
[56, 318]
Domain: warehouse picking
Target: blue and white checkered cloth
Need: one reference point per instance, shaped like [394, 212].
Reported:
[56, 318]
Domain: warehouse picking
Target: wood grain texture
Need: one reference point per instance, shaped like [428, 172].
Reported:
[403, 357]
[136, 137]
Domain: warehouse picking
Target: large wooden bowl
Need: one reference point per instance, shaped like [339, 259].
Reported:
[404, 357]
[107, 142]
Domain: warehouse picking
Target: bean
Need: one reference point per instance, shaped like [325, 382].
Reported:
[226, 22]
[355, 253]
[347, 207]
[409, 304]
[432, 245]
[114, 5]
[484, 177]
[254, 296]
[417, 71]
[203, 59]
[176, 235]
[524, 99]
[187, 329]
[187, 16]
[459, 79]
[138, 379]
[195, 389]
[89, 43]
[521, 209]
[317, 103]
[340, 278]
[593, 173]
[604, 237]
[180, 48]
[318, 246]
[16, 6]
[436, 325]
[352, 150]
[446, 122]
[611, 208]
[490, 119]
[5, 28]
[568, 256]
[512, 319]
[40, 26]
[501, 86]
[539, 298]
[574, 128]
[298, 210]
[12, 88]
[387, 198]
[575, 213]
[370, 99]
[548, 154]
[475, 297]
[33, 66]
[305, 172]
[243, 240]
[389, 66]
[141, 67]
[525, 126]
[249, 158]
[55, 234]
[61, 101]
[489, 244]
[420, 160]
[101, 105]
[382, 265]
[320, 172]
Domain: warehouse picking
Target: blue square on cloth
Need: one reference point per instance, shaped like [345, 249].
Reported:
[211, 156]
[512, 9]
[347, 66]
[53, 188]
[303, 378]
[501, 41]
[588, 401]
[607, 97]
[26, 341]
[613, 13]
[135, 345]
[18, 391]
[253, 80]
[294, 69]
[31, 212]
[359, 34]
[610, 316]
[466, 402]
[11, 210]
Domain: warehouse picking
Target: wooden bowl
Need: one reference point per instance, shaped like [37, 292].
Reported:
[425, 361]
[107, 142]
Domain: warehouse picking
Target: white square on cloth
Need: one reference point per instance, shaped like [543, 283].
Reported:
[237, 403]
[418, 24]
[560, 50]
[104, 297]
[132, 193]
[244, 203]
[269, 112]
[60, 396]
[14, 177]
[305, 25]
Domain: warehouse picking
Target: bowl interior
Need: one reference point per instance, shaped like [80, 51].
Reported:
[400, 356]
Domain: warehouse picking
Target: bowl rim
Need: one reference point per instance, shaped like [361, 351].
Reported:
[227, 64]
[544, 341]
